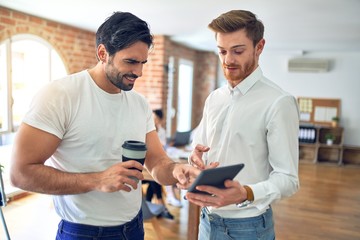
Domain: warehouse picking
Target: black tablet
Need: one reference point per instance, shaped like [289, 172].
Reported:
[215, 177]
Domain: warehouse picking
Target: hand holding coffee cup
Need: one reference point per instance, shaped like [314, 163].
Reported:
[134, 150]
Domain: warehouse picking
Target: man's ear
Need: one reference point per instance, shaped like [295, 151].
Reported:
[259, 47]
[101, 53]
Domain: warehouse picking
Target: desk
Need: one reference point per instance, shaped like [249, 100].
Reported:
[193, 213]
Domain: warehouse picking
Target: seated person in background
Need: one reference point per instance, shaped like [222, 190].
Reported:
[171, 196]
[170, 190]
[154, 187]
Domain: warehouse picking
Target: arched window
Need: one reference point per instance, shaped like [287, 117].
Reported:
[27, 63]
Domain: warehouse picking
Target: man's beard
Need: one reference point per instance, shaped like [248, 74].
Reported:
[243, 71]
[117, 78]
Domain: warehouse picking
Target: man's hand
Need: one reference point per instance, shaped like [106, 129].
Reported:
[120, 177]
[197, 160]
[185, 174]
[233, 193]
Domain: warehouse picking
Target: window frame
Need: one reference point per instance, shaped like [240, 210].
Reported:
[10, 125]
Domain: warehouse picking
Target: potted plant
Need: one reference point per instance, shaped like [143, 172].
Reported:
[329, 137]
[335, 121]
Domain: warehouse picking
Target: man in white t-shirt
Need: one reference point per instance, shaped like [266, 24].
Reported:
[70, 142]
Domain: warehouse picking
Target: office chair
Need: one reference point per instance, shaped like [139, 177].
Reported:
[150, 212]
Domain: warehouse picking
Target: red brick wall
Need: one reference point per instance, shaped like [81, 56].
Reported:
[204, 79]
[76, 47]
[206, 73]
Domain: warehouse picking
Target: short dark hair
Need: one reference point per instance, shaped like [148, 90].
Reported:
[235, 20]
[159, 113]
[121, 30]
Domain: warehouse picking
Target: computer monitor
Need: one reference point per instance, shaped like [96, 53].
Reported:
[181, 138]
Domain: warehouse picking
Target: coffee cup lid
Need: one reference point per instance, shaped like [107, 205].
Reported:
[134, 145]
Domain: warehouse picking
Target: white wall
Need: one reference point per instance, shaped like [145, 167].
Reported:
[342, 82]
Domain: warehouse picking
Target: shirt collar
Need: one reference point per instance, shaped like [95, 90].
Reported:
[245, 85]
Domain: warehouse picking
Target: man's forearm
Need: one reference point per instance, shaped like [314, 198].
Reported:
[163, 173]
[48, 180]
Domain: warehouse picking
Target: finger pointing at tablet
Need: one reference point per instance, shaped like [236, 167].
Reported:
[196, 158]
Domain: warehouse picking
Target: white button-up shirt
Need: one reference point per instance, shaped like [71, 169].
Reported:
[255, 123]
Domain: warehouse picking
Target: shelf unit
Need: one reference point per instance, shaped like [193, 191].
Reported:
[313, 147]
[351, 155]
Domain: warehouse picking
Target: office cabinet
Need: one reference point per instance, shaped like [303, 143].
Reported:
[351, 155]
[314, 146]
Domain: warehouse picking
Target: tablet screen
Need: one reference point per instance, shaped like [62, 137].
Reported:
[215, 177]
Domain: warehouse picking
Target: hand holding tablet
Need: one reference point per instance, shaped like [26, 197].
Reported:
[215, 177]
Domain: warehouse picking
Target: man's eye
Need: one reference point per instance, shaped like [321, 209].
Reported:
[222, 52]
[131, 61]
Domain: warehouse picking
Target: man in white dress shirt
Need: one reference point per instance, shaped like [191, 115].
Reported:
[250, 121]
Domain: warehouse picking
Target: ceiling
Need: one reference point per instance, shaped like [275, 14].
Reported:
[302, 25]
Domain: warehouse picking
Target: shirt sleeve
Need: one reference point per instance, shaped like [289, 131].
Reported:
[283, 147]
[150, 124]
[49, 110]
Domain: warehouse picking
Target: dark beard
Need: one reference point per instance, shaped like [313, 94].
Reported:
[117, 78]
[118, 81]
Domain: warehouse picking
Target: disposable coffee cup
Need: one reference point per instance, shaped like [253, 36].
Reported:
[134, 150]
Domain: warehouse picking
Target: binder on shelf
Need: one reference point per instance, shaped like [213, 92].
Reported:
[307, 134]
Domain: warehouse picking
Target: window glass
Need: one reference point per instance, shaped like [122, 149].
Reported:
[57, 67]
[33, 63]
[184, 96]
[3, 88]
[30, 71]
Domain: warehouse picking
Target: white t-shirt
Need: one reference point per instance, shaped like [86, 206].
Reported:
[93, 125]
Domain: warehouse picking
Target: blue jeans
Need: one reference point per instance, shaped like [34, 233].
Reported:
[133, 230]
[213, 227]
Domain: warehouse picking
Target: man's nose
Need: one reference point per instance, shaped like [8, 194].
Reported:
[137, 70]
[229, 59]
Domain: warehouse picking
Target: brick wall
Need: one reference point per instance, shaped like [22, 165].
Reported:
[76, 47]
[205, 73]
